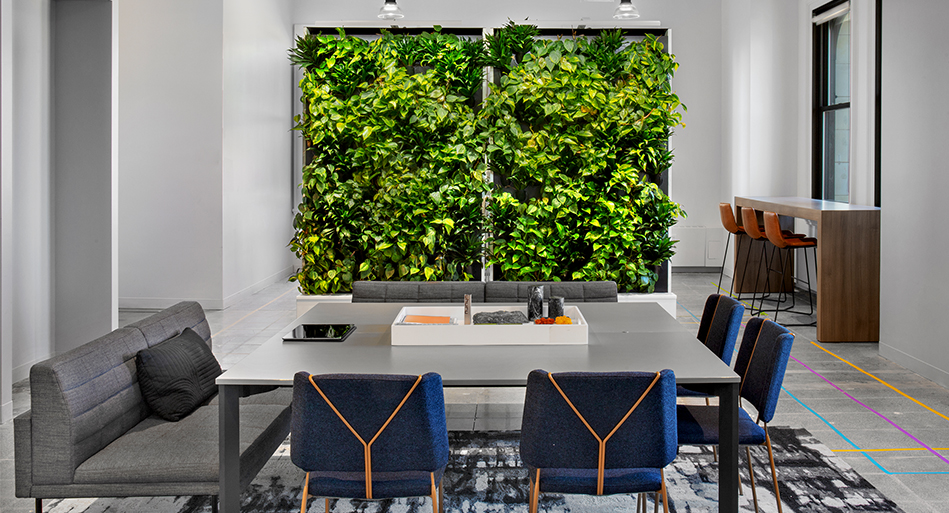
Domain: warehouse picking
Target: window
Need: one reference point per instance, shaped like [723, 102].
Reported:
[831, 166]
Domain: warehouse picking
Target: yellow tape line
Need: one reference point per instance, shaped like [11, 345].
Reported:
[881, 381]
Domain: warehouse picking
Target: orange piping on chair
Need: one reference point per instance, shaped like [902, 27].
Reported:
[601, 463]
[367, 447]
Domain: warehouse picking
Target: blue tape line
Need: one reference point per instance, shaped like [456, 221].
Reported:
[825, 421]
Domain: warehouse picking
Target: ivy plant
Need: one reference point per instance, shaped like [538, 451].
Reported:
[394, 187]
[578, 135]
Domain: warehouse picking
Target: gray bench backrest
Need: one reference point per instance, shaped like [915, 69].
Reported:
[172, 321]
[417, 291]
[571, 291]
[490, 292]
[84, 399]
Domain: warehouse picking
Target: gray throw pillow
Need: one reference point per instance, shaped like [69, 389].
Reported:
[177, 375]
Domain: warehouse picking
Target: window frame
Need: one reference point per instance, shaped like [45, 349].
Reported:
[820, 99]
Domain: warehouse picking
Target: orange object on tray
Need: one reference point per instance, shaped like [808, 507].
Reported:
[427, 319]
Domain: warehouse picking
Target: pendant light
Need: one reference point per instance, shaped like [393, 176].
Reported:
[390, 11]
[626, 11]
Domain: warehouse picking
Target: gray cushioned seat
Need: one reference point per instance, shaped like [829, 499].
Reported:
[571, 291]
[90, 432]
[157, 450]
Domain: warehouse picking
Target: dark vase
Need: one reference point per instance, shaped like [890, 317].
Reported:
[535, 302]
[555, 307]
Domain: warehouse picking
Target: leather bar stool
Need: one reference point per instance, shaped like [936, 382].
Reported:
[772, 227]
[731, 226]
[756, 232]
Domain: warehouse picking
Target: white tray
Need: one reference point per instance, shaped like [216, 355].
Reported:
[459, 334]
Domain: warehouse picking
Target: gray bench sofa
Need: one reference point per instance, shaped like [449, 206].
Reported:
[481, 292]
[90, 433]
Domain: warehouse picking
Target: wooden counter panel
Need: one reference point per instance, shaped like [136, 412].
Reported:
[848, 256]
[848, 287]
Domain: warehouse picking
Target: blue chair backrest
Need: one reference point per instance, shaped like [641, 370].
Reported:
[762, 360]
[718, 329]
[553, 436]
[415, 439]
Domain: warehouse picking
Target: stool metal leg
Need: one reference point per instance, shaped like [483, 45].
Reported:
[721, 275]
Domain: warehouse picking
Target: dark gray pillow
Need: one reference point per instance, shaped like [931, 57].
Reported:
[177, 375]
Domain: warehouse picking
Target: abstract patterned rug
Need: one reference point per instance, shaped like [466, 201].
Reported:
[485, 476]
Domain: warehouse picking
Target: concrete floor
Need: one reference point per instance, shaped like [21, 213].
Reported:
[890, 424]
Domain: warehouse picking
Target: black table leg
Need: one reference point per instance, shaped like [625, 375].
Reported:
[229, 448]
[728, 448]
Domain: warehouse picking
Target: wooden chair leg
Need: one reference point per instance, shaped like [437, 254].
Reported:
[441, 496]
[535, 493]
[38, 505]
[751, 476]
[306, 492]
[640, 508]
[326, 505]
[213, 503]
[665, 496]
[774, 474]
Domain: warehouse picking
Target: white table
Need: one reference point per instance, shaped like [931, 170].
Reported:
[623, 337]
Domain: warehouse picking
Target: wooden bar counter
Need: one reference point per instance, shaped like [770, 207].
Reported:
[848, 263]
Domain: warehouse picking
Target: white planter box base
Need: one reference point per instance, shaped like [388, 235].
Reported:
[667, 300]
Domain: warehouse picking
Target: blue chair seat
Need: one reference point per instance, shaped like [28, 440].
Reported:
[384, 484]
[698, 425]
[583, 481]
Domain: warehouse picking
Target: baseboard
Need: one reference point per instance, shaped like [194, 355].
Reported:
[237, 297]
[6, 412]
[160, 303]
[914, 364]
[693, 269]
[22, 372]
[667, 300]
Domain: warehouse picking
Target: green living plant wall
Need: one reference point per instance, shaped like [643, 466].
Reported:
[576, 132]
[579, 132]
[395, 186]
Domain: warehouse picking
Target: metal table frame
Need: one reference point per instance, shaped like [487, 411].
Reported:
[622, 337]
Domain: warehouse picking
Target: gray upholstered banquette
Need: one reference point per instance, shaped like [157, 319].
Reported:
[481, 292]
[90, 433]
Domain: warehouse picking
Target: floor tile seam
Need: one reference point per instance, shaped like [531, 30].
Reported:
[880, 380]
[897, 426]
[925, 447]
[251, 313]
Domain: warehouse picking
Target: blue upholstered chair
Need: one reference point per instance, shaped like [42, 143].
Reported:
[761, 362]
[598, 433]
[369, 436]
[718, 330]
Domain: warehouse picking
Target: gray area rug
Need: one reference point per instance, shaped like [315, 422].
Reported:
[485, 476]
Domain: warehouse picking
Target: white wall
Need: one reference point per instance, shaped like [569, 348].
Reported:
[170, 152]
[204, 150]
[81, 52]
[915, 181]
[6, 209]
[257, 145]
[29, 268]
[696, 42]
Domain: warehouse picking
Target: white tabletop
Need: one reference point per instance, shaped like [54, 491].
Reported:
[622, 337]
